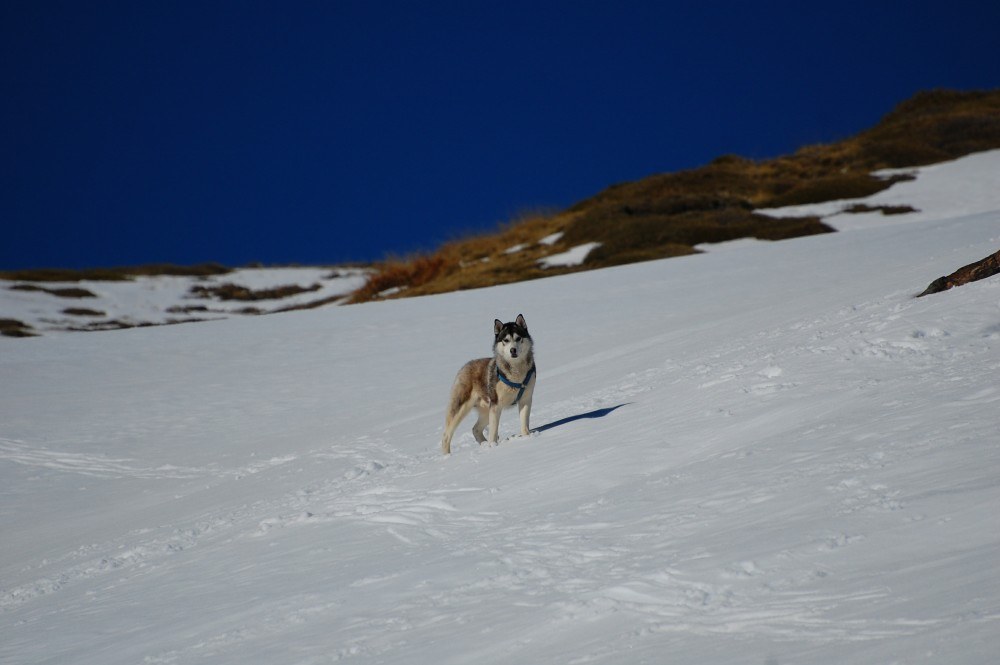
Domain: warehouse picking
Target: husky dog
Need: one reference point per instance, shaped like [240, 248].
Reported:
[492, 384]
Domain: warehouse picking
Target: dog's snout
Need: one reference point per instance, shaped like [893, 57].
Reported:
[513, 352]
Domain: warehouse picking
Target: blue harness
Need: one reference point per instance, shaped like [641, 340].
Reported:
[519, 387]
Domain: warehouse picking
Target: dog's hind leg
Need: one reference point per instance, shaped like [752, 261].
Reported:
[457, 410]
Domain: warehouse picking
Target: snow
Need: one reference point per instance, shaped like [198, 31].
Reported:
[571, 257]
[966, 186]
[551, 239]
[727, 245]
[773, 454]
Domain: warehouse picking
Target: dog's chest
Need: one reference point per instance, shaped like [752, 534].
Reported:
[506, 396]
[511, 384]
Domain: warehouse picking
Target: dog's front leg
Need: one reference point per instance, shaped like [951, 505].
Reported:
[524, 410]
[494, 423]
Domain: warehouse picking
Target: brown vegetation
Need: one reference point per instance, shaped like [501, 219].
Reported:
[66, 292]
[668, 214]
[229, 291]
[187, 309]
[118, 324]
[885, 210]
[82, 311]
[15, 328]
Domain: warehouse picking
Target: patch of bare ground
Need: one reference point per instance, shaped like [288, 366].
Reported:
[63, 292]
[885, 210]
[187, 309]
[15, 328]
[118, 324]
[228, 292]
[82, 311]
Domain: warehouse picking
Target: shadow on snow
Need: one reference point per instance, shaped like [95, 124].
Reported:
[599, 413]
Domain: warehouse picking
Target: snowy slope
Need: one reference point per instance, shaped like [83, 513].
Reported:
[950, 189]
[772, 454]
[165, 299]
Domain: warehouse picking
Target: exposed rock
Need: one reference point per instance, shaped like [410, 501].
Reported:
[974, 271]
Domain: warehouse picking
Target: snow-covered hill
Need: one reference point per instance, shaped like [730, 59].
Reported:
[164, 299]
[772, 454]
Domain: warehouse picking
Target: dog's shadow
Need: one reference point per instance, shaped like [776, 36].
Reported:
[599, 413]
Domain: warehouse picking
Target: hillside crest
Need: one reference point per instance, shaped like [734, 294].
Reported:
[669, 214]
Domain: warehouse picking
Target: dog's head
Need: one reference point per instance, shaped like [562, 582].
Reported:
[511, 339]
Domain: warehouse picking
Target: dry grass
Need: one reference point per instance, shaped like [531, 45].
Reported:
[66, 292]
[394, 275]
[470, 262]
[668, 214]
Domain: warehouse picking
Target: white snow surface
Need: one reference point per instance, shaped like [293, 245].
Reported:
[727, 245]
[967, 186]
[773, 454]
[573, 256]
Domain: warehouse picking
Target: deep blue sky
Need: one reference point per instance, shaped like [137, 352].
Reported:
[317, 132]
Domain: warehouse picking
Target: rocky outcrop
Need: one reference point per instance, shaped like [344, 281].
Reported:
[974, 271]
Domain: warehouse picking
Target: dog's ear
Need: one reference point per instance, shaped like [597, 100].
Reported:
[497, 327]
[520, 321]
